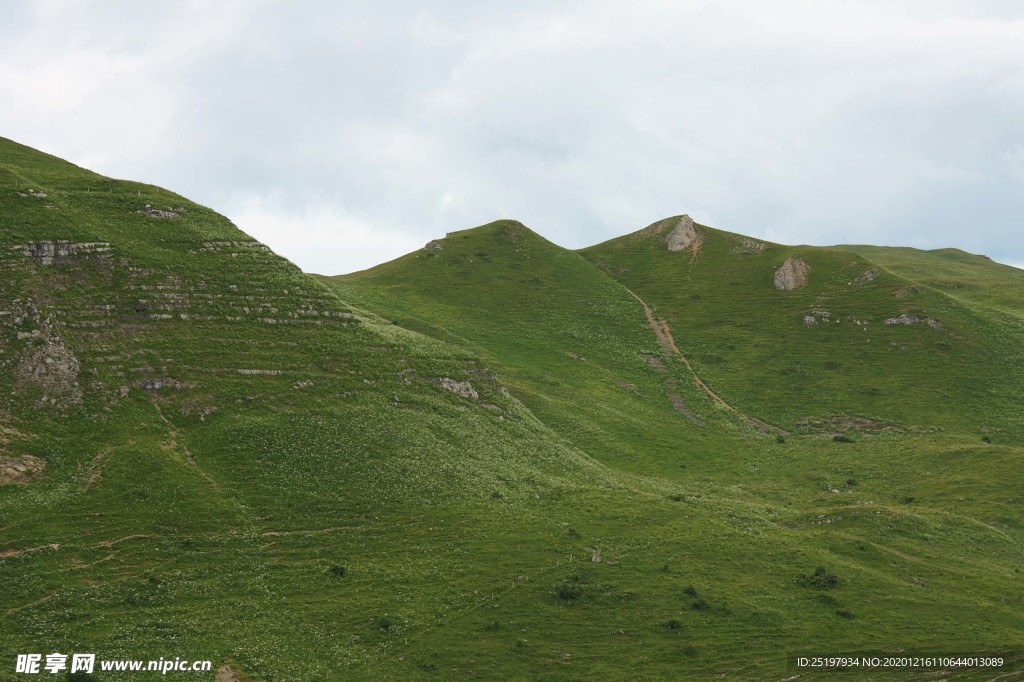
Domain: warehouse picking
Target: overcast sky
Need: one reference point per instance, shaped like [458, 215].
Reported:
[344, 134]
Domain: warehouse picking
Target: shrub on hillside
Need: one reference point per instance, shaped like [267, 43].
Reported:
[569, 592]
[821, 579]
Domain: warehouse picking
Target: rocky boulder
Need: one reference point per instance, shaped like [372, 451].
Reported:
[792, 275]
[684, 235]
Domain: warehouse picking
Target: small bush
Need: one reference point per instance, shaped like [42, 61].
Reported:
[385, 623]
[909, 499]
[780, 439]
[986, 439]
[821, 579]
[427, 667]
[842, 439]
[851, 481]
[666, 567]
[339, 571]
[567, 592]
[690, 591]
[673, 624]
[676, 498]
[845, 613]
[493, 627]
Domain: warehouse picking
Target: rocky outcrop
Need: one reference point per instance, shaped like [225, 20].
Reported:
[792, 275]
[23, 469]
[815, 316]
[53, 369]
[463, 389]
[434, 245]
[59, 251]
[684, 236]
[158, 213]
[908, 319]
[869, 276]
[748, 245]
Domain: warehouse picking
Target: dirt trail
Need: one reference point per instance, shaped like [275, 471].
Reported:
[180, 447]
[668, 344]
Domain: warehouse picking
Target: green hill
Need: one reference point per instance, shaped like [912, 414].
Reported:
[963, 276]
[571, 342]
[859, 343]
[484, 460]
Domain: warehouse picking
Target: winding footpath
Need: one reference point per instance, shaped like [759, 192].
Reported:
[668, 344]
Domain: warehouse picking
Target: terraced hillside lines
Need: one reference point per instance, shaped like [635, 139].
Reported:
[668, 343]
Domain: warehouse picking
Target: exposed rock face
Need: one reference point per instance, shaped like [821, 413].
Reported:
[817, 315]
[463, 389]
[226, 673]
[434, 245]
[748, 245]
[869, 276]
[158, 213]
[792, 275]
[684, 235]
[907, 319]
[53, 368]
[50, 252]
[23, 469]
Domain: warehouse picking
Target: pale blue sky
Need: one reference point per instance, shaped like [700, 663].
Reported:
[344, 134]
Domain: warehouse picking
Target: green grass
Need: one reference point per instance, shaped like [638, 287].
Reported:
[751, 342]
[957, 274]
[207, 519]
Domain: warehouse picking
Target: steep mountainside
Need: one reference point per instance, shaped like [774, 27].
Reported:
[175, 396]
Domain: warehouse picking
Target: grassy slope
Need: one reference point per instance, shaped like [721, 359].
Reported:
[525, 304]
[571, 343]
[751, 343]
[201, 519]
[958, 274]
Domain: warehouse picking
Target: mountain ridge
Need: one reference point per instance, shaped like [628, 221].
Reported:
[480, 461]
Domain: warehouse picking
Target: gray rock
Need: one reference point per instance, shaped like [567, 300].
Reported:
[684, 235]
[157, 213]
[869, 276]
[792, 275]
[463, 389]
[907, 319]
[52, 368]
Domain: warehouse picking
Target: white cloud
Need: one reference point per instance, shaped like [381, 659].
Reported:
[820, 122]
[319, 236]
